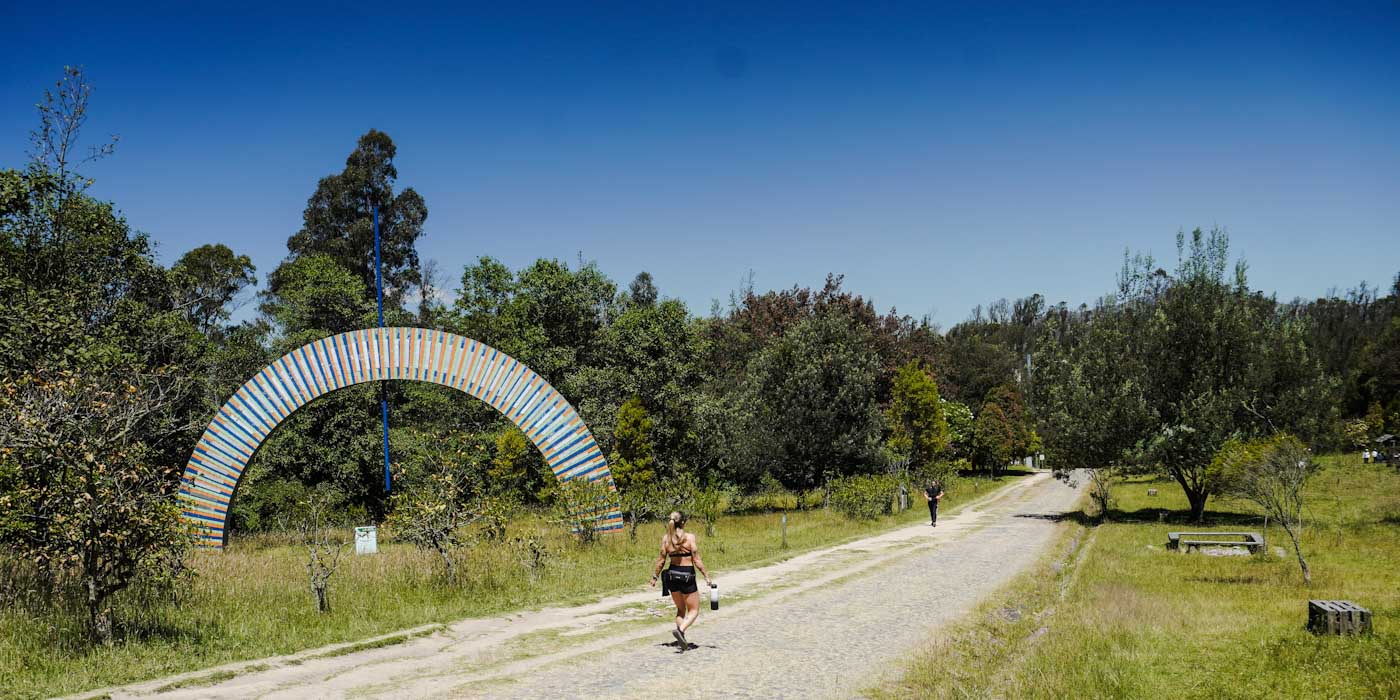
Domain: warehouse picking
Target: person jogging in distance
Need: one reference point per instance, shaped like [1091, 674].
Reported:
[933, 493]
[682, 549]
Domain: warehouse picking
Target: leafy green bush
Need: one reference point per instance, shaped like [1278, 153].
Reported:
[710, 504]
[863, 497]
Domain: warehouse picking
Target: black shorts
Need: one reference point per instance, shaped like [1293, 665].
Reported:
[666, 587]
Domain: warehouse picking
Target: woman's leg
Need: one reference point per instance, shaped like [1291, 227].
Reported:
[679, 599]
[692, 610]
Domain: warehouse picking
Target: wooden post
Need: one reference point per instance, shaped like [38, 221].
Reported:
[785, 531]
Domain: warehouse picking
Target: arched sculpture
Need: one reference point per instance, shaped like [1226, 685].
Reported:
[263, 402]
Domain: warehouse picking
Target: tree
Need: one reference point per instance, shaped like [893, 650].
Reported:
[960, 428]
[1161, 376]
[1221, 363]
[1013, 407]
[483, 302]
[1344, 331]
[80, 489]
[640, 502]
[546, 317]
[1357, 433]
[976, 365]
[581, 504]
[79, 288]
[649, 352]
[316, 294]
[918, 429]
[1271, 473]
[321, 535]
[1089, 394]
[430, 511]
[632, 459]
[1375, 421]
[509, 471]
[994, 437]
[811, 398]
[755, 320]
[1380, 373]
[87, 460]
[710, 504]
[209, 278]
[339, 223]
[642, 290]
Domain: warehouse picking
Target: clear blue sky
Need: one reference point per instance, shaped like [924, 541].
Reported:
[938, 156]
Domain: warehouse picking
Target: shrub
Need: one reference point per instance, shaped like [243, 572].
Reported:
[581, 506]
[770, 496]
[710, 504]
[863, 497]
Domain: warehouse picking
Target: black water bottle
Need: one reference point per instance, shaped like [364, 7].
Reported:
[714, 596]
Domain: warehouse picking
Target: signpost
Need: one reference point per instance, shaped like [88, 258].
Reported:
[383, 396]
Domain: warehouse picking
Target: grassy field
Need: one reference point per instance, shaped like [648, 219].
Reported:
[253, 599]
[1113, 614]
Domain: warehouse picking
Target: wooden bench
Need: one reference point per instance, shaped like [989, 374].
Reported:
[1338, 617]
[1186, 541]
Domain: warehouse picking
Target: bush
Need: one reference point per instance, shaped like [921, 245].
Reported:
[582, 505]
[769, 497]
[768, 502]
[863, 497]
[710, 504]
[945, 473]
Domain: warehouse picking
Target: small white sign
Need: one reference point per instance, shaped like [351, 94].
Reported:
[366, 540]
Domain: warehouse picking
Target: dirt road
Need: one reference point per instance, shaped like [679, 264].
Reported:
[823, 624]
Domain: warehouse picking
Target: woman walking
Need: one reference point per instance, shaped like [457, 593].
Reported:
[681, 548]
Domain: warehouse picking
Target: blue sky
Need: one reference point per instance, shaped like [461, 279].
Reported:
[940, 156]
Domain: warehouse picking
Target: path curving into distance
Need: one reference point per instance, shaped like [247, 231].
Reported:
[822, 624]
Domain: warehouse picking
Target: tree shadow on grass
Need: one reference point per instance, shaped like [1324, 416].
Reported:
[1077, 516]
[1178, 519]
[1182, 517]
[163, 630]
[984, 474]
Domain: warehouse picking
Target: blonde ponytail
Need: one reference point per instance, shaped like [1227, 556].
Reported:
[675, 524]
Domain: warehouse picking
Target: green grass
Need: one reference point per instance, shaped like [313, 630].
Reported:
[253, 600]
[1113, 614]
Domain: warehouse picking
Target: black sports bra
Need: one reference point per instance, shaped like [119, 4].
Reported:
[680, 554]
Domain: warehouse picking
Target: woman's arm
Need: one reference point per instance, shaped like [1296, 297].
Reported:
[695, 556]
[660, 561]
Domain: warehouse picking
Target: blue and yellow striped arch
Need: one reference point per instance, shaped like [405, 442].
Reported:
[255, 410]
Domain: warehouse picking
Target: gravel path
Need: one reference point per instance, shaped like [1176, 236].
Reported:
[822, 624]
[832, 640]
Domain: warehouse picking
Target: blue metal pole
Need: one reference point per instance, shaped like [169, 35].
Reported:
[383, 398]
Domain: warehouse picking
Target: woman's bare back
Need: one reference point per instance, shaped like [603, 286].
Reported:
[682, 555]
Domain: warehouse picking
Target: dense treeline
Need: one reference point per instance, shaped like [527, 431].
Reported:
[790, 389]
